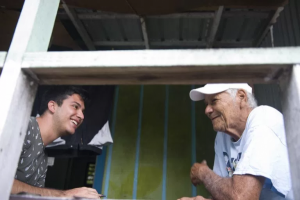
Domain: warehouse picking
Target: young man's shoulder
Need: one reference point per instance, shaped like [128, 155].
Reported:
[31, 134]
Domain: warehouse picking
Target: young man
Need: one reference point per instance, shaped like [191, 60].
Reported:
[62, 112]
[251, 160]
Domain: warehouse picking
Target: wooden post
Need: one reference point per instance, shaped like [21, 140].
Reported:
[214, 27]
[2, 58]
[79, 26]
[291, 112]
[17, 89]
[145, 34]
[265, 31]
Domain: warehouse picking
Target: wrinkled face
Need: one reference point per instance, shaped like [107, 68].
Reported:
[69, 115]
[222, 110]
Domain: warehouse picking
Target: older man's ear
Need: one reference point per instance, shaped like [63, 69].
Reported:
[242, 98]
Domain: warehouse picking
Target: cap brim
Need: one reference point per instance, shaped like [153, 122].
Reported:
[199, 93]
[196, 95]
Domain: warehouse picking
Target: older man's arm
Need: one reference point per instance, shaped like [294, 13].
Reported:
[238, 187]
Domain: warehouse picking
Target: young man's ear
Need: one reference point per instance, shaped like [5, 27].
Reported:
[52, 106]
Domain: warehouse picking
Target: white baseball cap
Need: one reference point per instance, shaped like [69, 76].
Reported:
[214, 88]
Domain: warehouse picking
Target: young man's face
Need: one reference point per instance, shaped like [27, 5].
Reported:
[69, 115]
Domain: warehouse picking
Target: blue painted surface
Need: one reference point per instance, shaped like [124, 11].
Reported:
[108, 162]
[136, 166]
[164, 184]
[99, 171]
[194, 189]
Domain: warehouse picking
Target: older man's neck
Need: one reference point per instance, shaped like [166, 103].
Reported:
[237, 130]
[235, 134]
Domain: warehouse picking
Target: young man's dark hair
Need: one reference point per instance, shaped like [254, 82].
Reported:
[66, 105]
[59, 94]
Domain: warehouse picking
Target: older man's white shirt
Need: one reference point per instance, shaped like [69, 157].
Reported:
[261, 151]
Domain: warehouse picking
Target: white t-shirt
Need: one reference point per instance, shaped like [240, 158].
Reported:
[261, 151]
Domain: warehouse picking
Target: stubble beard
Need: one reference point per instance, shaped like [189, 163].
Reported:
[59, 125]
[220, 126]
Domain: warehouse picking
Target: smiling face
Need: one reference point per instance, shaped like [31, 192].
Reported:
[69, 116]
[223, 111]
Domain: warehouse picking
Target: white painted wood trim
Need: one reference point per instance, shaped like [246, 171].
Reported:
[291, 112]
[144, 31]
[17, 90]
[163, 58]
[2, 58]
[263, 65]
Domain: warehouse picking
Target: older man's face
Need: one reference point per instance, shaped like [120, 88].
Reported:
[222, 110]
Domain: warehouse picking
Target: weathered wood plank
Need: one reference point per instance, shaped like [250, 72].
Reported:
[155, 75]
[179, 155]
[144, 31]
[151, 159]
[267, 27]
[214, 27]
[163, 58]
[2, 58]
[79, 26]
[17, 90]
[162, 66]
[123, 152]
[291, 112]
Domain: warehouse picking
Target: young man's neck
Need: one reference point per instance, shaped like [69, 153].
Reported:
[48, 132]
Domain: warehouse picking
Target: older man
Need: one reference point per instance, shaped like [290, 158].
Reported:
[251, 160]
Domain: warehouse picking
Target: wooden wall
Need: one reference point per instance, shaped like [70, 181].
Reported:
[158, 133]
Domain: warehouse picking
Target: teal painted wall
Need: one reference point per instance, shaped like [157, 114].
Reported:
[153, 123]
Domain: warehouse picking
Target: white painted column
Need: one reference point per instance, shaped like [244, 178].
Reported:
[291, 112]
[2, 59]
[17, 89]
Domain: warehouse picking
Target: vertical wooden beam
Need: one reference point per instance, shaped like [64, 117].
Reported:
[145, 34]
[18, 90]
[2, 58]
[271, 22]
[214, 27]
[79, 26]
[291, 112]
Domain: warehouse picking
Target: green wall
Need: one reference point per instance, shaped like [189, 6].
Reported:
[152, 123]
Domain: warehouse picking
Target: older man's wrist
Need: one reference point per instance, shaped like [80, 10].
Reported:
[203, 172]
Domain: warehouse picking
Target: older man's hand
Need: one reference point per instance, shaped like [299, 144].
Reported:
[193, 198]
[197, 172]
